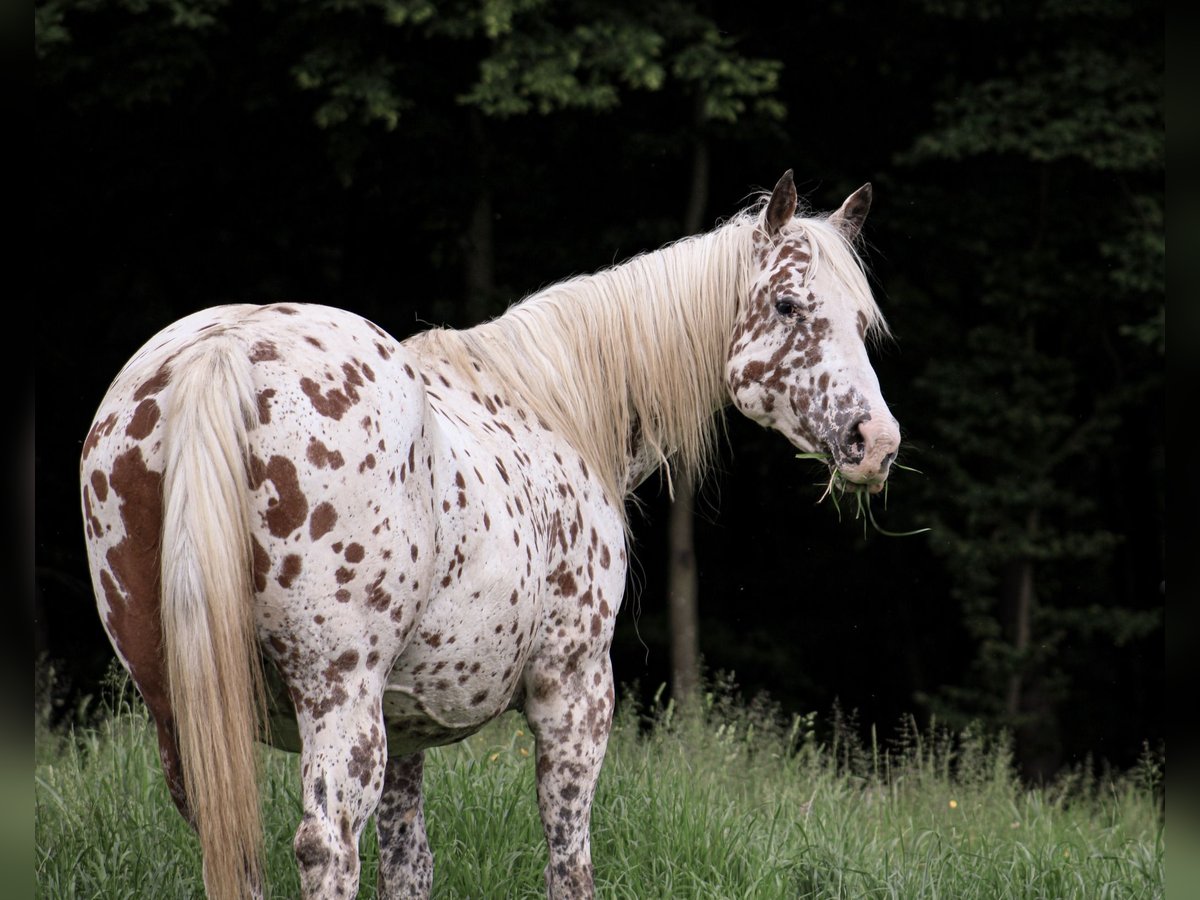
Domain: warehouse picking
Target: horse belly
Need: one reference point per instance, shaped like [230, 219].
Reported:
[462, 667]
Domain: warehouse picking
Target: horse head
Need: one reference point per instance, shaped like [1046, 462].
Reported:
[798, 358]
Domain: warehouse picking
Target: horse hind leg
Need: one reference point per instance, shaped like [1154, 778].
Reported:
[343, 758]
[405, 860]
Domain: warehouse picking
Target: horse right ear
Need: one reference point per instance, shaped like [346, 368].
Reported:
[782, 205]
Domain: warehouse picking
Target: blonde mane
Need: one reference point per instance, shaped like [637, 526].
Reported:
[632, 358]
[831, 250]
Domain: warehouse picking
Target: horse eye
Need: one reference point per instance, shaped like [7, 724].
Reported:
[787, 308]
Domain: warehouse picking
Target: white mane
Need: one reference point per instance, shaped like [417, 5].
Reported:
[636, 352]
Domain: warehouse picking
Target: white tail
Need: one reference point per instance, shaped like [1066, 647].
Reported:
[210, 644]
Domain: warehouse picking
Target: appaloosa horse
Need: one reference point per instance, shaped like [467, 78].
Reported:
[419, 535]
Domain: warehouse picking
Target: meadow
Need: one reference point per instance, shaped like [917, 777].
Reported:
[725, 800]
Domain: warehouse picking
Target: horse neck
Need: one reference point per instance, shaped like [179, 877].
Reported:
[627, 364]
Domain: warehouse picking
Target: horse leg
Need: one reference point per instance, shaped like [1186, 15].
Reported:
[405, 860]
[342, 770]
[569, 707]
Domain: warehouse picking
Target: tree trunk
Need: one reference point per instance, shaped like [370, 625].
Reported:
[1038, 744]
[682, 594]
[682, 583]
[479, 254]
[1022, 606]
[479, 251]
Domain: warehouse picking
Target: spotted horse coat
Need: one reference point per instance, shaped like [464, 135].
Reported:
[388, 543]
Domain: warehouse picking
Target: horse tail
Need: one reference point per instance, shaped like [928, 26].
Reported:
[213, 663]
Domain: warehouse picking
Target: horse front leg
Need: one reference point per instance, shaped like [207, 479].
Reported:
[569, 709]
[405, 860]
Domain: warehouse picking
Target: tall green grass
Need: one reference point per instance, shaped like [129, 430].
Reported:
[726, 800]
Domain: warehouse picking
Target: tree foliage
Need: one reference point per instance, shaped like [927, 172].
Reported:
[1065, 339]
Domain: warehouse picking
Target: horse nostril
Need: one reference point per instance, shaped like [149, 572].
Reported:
[854, 442]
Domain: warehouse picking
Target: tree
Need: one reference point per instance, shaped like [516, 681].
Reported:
[1055, 148]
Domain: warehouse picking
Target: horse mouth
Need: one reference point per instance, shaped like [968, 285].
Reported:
[872, 485]
[872, 481]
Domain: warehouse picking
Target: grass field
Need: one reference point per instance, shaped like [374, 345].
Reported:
[730, 801]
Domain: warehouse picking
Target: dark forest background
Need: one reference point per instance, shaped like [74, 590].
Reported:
[430, 163]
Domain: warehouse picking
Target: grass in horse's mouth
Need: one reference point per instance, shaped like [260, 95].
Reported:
[838, 486]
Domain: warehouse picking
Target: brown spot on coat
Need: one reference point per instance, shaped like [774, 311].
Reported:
[355, 553]
[103, 427]
[289, 569]
[94, 526]
[143, 421]
[154, 383]
[321, 456]
[264, 405]
[345, 662]
[290, 510]
[99, 485]
[323, 518]
[377, 598]
[352, 376]
[262, 565]
[753, 372]
[332, 405]
[263, 351]
[564, 580]
[132, 589]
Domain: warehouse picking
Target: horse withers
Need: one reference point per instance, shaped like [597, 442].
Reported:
[389, 543]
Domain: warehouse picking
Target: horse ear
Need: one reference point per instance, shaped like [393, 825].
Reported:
[850, 215]
[782, 205]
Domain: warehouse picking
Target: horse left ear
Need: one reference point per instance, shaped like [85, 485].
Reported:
[850, 215]
[782, 205]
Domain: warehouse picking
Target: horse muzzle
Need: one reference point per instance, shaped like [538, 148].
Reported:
[865, 449]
